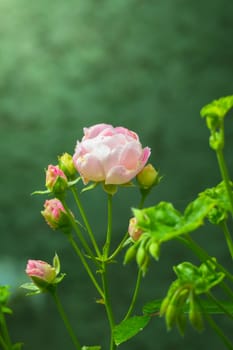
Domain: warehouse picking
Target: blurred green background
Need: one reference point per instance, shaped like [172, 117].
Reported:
[147, 65]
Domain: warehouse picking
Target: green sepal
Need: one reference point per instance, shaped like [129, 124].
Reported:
[90, 187]
[56, 264]
[32, 288]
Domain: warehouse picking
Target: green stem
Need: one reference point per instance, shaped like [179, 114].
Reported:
[85, 264]
[220, 306]
[85, 220]
[107, 305]
[217, 330]
[109, 229]
[119, 248]
[6, 337]
[225, 175]
[65, 320]
[227, 237]
[135, 295]
[3, 343]
[77, 230]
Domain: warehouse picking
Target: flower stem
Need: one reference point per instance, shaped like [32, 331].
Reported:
[85, 264]
[220, 306]
[5, 338]
[134, 298]
[227, 237]
[85, 220]
[225, 176]
[109, 229]
[119, 248]
[65, 320]
[77, 230]
[217, 330]
[3, 343]
[107, 304]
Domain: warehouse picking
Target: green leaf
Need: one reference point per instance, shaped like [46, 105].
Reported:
[218, 108]
[163, 222]
[97, 347]
[152, 307]
[129, 328]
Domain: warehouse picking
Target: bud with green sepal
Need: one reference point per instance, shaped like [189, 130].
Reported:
[195, 315]
[130, 254]
[56, 181]
[154, 249]
[141, 255]
[147, 177]
[56, 216]
[44, 276]
[66, 164]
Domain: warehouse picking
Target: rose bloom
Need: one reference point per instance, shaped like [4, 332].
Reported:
[41, 270]
[112, 155]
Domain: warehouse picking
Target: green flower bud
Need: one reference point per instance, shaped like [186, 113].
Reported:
[130, 254]
[141, 256]
[170, 316]
[164, 305]
[147, 177]
[181, 322]
[195, 316]
[154, 250]
[66, 164]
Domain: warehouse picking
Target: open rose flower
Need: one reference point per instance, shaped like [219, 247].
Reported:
[110, 155]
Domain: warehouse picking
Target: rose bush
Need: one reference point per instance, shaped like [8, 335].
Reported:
[110, 155]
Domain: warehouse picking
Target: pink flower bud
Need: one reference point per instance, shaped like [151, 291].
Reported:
[56, 181]
[55, 214]
[147, 177]
[134, 232]
[110, 155]
[40, 270]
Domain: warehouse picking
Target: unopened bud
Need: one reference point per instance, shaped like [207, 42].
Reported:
[147, 177]
[134, 232]
[130, 254]
[141, 256]
[55, 215]
[154, 250]
[195, 316]
[66, 164]
[56, 180]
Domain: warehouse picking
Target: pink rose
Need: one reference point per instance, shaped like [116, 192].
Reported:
[40, 270]
[56, 181]
[55, 214]
[112, 155]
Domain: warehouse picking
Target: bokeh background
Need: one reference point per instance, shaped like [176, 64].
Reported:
[147, 65]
